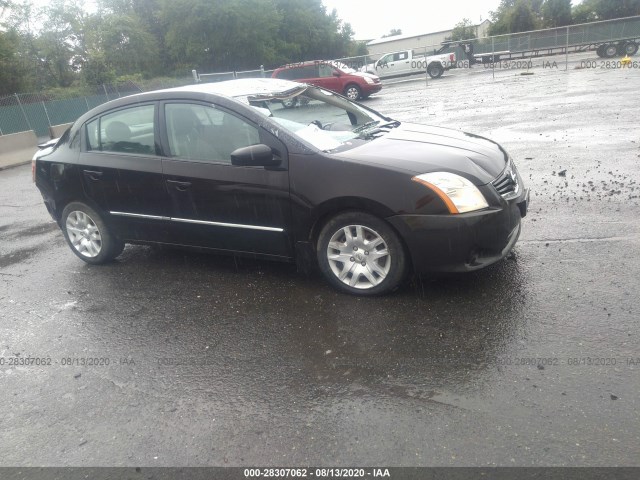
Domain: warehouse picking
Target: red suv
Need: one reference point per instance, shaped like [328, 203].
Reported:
[333, 76]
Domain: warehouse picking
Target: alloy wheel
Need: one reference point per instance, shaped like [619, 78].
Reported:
[358, 256]
[83, 234]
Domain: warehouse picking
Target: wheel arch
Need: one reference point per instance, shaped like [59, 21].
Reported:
[62, 203]
[337, 206]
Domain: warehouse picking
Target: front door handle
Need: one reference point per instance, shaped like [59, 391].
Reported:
[92, 175]
[180, 186]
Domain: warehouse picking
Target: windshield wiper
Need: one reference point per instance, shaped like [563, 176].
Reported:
[384, 128]
[365, 126]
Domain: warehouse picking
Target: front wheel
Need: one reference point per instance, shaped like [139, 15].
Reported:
[435, 70]
[87, 234]
[352, 92]
[360, 254]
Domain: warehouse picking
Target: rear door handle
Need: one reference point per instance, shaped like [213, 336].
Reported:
[92, 175]
[180, 186]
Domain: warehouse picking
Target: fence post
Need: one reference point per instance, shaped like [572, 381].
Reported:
[566, 52]
[46, 113]
[105, 91]
[86, 103]
[23, 112]
[426, 72]
[262, 71]
[493, 57]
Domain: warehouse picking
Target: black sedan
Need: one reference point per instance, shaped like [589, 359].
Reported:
[238, 167]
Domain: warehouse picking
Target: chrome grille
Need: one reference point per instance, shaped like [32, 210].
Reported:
[507, 182]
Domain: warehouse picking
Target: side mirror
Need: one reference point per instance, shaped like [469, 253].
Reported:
[336, 73]
[259, 155]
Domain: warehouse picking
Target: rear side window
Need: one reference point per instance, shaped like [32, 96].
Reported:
[288, 74]
[126, 131]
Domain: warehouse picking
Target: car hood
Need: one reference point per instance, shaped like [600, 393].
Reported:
[365, 74]
[421, 149]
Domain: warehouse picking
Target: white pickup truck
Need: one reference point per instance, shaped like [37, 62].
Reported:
[407, 62]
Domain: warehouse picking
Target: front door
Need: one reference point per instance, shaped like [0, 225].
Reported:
[393, 64]
[216, 204]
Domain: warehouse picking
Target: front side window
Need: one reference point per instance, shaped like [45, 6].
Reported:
[204, 133]
[386, 59]
[326, 70]
[129, 130]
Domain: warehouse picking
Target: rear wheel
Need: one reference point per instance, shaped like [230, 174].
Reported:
[600, 50]
[435, 70]
[629, 48]
[610, 50]
[87, 234]
[361, 254]
[352, 92]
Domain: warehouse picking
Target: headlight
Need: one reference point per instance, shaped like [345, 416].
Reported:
[369, 80]
[458, 193]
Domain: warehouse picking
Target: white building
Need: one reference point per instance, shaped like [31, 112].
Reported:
[430, 41]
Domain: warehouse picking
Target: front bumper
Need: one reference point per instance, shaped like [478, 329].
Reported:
[464, 242]
[369, 89]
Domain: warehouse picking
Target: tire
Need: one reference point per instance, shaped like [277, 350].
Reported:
[600, 50]
[361, 254]
[87, 235]
[352, 92]
[435, 70]
[610, 50]
[629, 48]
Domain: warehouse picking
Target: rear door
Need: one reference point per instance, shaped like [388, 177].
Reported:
[122, 172]
[216, 204]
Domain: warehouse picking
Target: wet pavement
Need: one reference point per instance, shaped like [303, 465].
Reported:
[194, 359]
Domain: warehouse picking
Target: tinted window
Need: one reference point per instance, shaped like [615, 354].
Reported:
[200, 132]
[126, 131]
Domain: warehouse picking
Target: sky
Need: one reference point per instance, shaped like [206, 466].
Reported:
[373, 18]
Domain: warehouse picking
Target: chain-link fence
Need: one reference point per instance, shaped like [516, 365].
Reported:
[39, 111]
[222, 76]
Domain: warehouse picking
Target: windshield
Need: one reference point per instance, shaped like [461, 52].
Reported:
[325, 120]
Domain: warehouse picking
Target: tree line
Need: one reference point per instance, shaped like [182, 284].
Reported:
[65, 44]
[513, 16]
